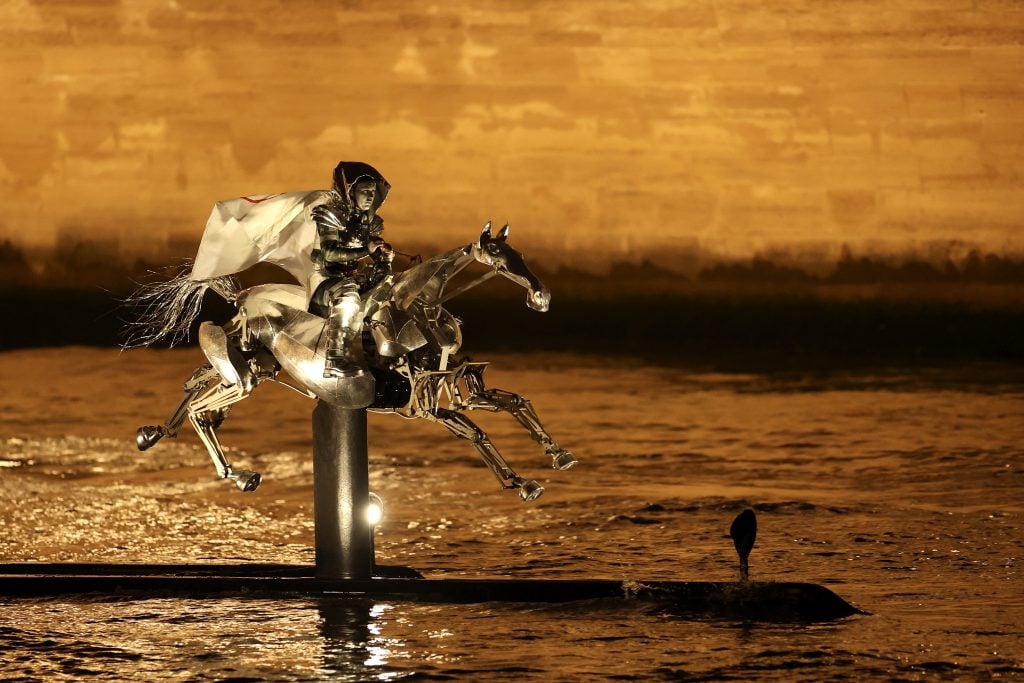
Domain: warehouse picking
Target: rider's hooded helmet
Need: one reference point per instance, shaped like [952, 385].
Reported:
[348, 173]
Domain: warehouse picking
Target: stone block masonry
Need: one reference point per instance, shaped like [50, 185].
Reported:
[602, 129]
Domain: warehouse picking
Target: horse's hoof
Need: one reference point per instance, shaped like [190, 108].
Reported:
[530, 490]
[148, 435]
[245, 480]
[563, 460]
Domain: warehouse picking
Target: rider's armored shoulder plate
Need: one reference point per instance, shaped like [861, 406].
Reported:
[329, 223]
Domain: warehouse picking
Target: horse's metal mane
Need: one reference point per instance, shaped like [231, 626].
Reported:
[419, 280]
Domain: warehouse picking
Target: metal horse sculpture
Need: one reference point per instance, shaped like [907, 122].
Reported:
[410, 342]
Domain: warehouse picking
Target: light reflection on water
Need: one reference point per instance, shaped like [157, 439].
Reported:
[902, 492]
[356, 640]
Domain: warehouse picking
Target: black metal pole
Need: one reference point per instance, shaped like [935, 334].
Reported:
[341, 493]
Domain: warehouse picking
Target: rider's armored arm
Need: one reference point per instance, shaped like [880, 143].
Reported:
[338, 244]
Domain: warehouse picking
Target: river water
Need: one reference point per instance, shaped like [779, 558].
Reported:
[902, 491]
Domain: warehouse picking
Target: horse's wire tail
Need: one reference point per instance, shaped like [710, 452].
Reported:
[165, 308]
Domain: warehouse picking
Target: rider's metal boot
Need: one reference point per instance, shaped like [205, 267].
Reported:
[344, 351]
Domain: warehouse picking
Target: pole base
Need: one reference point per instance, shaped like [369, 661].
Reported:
[755, 601]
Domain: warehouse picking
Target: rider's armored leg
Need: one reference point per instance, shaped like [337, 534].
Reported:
[464, 428]
[205, 413]
[344, 330]
[522, 410]
[200, 380]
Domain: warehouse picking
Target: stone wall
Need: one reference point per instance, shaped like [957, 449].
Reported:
[599, 128]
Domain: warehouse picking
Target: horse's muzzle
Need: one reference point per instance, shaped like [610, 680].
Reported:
[539, 299]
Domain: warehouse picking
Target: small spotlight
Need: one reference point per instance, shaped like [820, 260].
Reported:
[374, 510]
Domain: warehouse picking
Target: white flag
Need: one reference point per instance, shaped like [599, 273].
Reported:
[273, 228]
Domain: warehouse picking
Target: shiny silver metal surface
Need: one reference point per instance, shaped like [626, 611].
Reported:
[225, 358]
[416, 338]
[341, 493]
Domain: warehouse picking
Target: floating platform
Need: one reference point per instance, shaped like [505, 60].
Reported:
[755, 600]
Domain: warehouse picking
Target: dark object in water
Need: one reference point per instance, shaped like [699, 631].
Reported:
[758, 601]
[744, 533]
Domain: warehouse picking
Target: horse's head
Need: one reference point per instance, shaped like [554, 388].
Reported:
[495, 251]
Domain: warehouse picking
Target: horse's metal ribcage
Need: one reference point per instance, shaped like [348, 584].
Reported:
[433, 389]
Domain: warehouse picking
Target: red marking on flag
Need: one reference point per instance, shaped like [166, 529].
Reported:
[257, 201]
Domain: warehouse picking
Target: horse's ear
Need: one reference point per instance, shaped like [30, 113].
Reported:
[503, 234]
[485, 235]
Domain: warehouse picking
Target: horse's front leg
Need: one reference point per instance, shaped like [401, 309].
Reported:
[464, 428]
[206, 412]
[522, 410]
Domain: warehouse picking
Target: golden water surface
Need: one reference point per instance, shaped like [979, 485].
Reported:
[900, 491]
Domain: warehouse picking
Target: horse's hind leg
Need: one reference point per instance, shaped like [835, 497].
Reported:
[205, 403]
[206, 412]
[464, 428]
[147, 435]
[522, 410]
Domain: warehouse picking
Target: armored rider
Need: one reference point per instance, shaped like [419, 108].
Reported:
[348, 230]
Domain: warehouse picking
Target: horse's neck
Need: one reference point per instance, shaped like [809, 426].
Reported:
[427, 280]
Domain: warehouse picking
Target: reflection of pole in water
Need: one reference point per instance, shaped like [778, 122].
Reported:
[345, 626]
